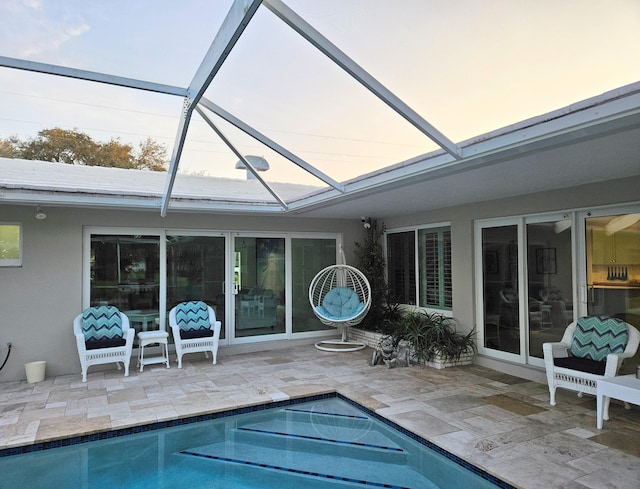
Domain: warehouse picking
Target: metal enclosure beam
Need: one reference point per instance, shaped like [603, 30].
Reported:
[246, 163]
[208, 104]
[93, 76]
[234, 24]
[303, 28]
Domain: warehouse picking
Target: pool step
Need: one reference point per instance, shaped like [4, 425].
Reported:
[320, 445]
[306, 443]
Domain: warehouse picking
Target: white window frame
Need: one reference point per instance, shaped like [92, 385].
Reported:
[229, 235]
[415, 229]
[14, 262]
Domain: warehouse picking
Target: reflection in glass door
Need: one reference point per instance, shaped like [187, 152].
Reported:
[613, 270]
[613, 266]
[549, 282]
[195, 272]
[260, 297]
[500, 288]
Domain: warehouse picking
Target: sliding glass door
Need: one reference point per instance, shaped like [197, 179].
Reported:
[526, 270]
[196, 271]
[613, 265]
[550, 305]
[259, 295]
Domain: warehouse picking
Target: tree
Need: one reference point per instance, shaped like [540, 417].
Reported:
[78, 148]
[371, 261]
[8, 147]
[152, 156]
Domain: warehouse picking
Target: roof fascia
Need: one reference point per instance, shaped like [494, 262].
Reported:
[235, 22]
[321, 43]
[219, 111]
[591, 118]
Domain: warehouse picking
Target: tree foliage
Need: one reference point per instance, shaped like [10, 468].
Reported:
[78, 148]
[372, 263]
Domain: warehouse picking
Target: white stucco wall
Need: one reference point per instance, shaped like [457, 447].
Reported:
[39, 300]
[462, 225]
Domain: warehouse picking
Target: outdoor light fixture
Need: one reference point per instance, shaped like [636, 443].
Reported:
[366, 222]
[40, 214]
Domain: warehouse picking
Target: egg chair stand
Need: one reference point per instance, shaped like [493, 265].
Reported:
[340, 296]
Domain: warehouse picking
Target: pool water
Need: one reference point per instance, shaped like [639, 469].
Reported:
[327, 442]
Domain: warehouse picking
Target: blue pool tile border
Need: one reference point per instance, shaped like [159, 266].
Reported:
[105, 435]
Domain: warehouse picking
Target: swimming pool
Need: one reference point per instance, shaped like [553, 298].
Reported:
[322, 442]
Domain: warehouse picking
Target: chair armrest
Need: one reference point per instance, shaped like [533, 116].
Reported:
[80, 342]
[129, 336]
[216, 329]
[614, 362]
[556, 349]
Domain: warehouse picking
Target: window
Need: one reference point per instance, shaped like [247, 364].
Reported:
[401, 266]
[434, 250]
[432, 246]
[10, 245]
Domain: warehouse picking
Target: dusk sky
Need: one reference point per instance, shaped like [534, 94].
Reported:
[468, 67]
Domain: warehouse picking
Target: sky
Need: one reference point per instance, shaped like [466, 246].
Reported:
[466, 66]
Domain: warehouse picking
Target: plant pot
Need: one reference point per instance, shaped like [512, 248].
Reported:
[35, 371]
[440, 363]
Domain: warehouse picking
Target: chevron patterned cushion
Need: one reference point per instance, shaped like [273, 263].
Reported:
[101, 323]
[192, 316]
[597, 336]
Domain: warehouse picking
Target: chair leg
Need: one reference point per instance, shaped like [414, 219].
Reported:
[179, 357]
[552, 395]
[126, 369]
[84, 375]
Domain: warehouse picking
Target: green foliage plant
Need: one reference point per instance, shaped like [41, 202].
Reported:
[371, 261]
[432, 335]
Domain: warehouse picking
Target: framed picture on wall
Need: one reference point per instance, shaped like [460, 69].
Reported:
[546, 260]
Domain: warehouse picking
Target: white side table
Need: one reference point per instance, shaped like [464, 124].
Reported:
[623, 387]
[146, 338]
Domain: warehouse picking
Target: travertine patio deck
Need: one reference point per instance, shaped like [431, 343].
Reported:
[501, 423]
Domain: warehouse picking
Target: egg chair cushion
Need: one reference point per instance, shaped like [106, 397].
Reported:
[340, 303]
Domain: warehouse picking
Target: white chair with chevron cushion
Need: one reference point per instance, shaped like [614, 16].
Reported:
[195, 329]
[591, 348]
[103, 335]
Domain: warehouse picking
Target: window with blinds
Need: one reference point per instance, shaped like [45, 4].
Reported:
[434, 247]
[432, 269]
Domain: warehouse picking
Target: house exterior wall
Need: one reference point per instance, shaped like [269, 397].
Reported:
[462, 220]
[39, 300]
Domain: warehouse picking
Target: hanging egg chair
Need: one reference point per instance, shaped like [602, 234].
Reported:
[340, 296]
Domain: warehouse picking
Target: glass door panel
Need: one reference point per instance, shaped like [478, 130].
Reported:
[195, 272]
[260, 295]
[125, 272]
[309, 256]
[549, 282]
[500, 288]
[613, 266]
